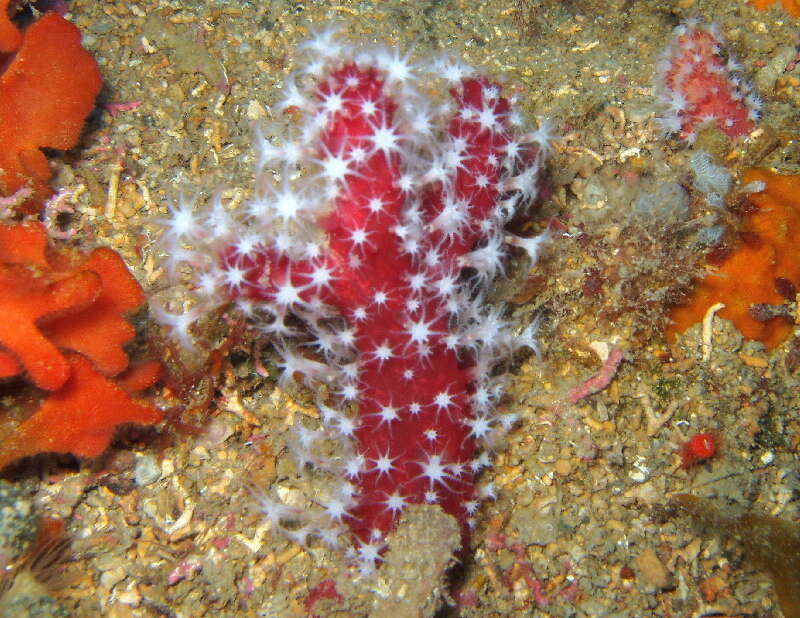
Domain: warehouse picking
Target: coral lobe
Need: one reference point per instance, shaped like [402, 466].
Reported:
[46, 92]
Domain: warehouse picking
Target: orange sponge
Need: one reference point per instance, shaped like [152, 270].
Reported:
[10, 36]
[53, 300]
[46, 92]
[63, 324]
[100, 330]
[80, 418]
[790, 6]
[768, 253]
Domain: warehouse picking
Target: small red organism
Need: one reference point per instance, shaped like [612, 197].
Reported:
[701, 85]
[323, 590]
[699, 448]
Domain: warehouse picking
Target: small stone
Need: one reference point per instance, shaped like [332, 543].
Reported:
[637, 476]
[167, 467]
[563, 467]
[130, 597]
[215, 433]
[112, 577]
[536, 526]
[255, 111]
[146, 471]
[150, 508]
[201, 453]
[773, 69]
[18, 523]
[653, 570]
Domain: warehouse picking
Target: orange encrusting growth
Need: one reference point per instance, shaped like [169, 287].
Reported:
[63, 325]
[9, 365]
[140, 377]
[790, 6]
[26, 299]
[46, 92]
[19, 244]
[40, 312]
[10, 36]
[100, 330]
[80, 418]
[770, 250]
[23, 243]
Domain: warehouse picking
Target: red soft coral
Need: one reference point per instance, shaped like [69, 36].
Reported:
[46, 93]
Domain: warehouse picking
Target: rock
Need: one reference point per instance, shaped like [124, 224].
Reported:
[413, 575]
[18, 523]
[653, 571]
[766, 75]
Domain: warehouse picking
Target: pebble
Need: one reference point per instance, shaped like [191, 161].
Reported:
[653, 570]
[112, 577]
[563, 467]
[766, 75]
[18, 523]
[536, 526]
[147, 471]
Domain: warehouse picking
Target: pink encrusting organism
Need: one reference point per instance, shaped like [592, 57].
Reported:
[701, 85]
[381, 230]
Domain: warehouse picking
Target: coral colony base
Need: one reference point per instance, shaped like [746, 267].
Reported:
[379, 225]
